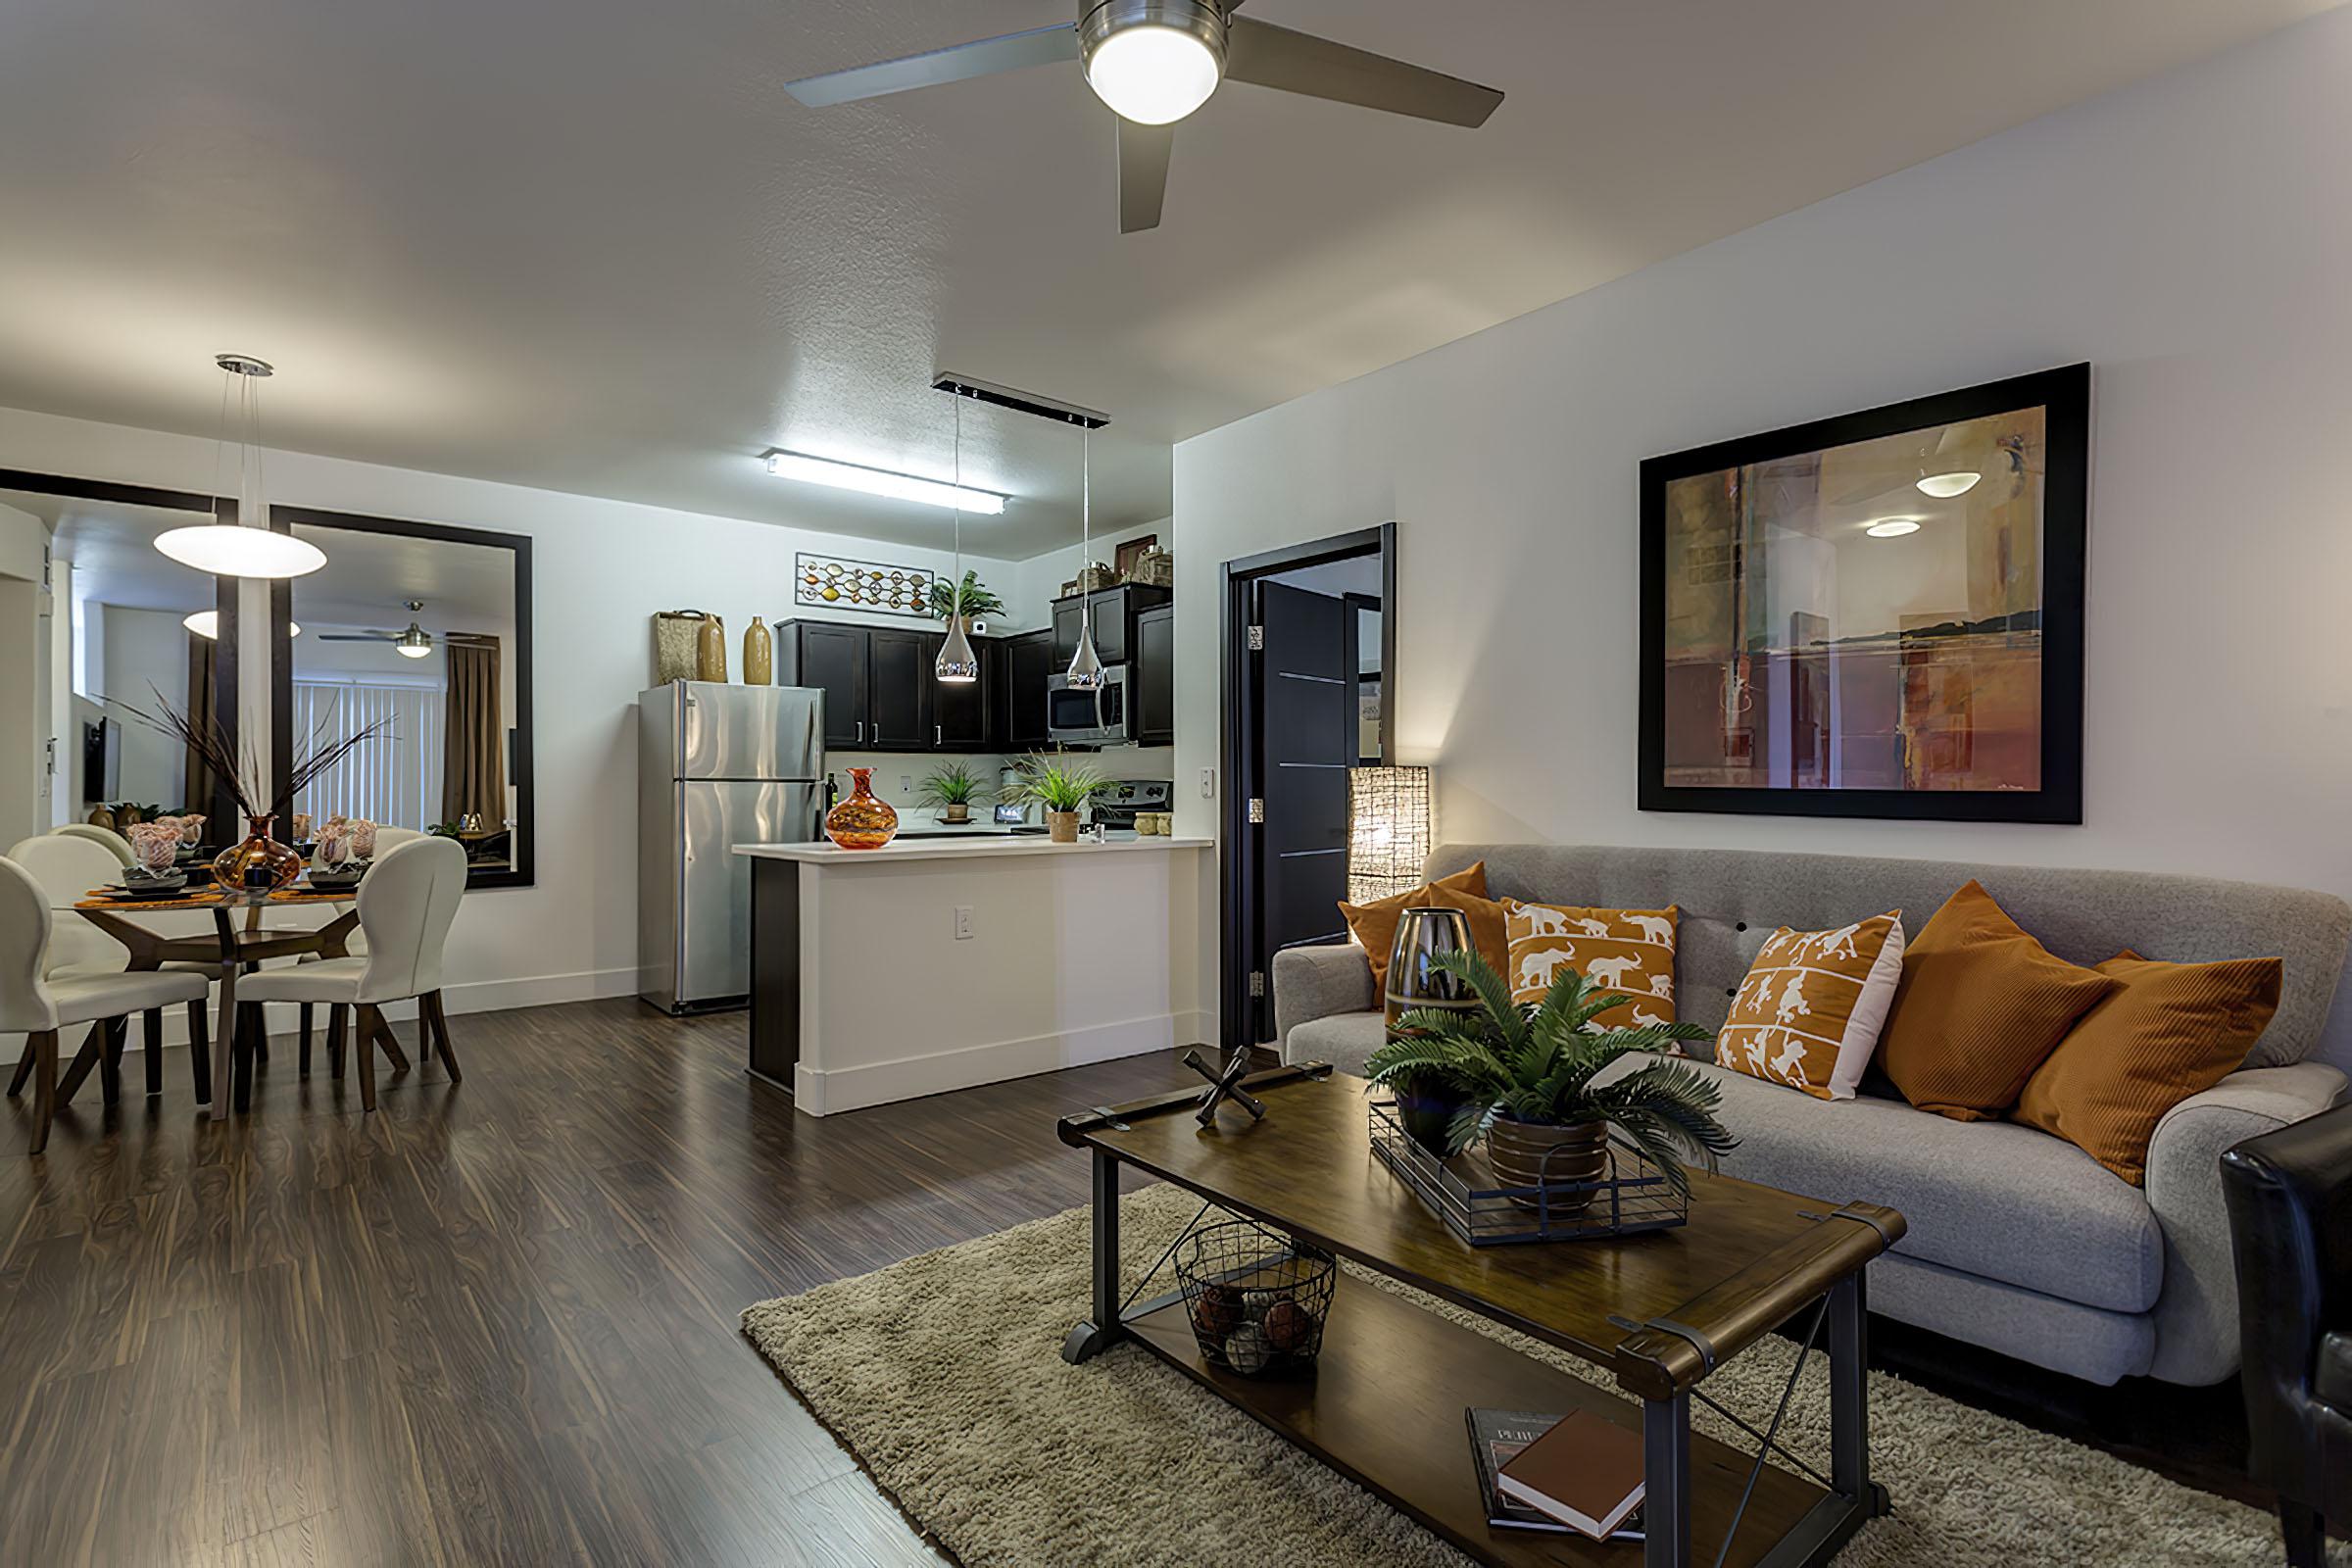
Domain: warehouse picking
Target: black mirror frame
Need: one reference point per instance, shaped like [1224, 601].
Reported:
[522, 871]
[221, 809]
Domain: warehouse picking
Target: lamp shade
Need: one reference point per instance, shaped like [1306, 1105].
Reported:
[1387, 831]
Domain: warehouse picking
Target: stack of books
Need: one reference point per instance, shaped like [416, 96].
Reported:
[1578, 1472]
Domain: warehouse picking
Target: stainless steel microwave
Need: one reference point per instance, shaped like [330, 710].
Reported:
[1075, 716]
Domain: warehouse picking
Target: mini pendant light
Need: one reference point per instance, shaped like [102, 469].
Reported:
[1086, 667]
[958, 664]
[245, 548]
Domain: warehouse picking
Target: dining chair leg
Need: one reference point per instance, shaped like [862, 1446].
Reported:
[305, 1065]
[16, 1080]
[240, 1064]
[226, 1037]
[200, 1052]
[339, 1017]
[109, 1059]
[437, 1023]
[385, 1038]
[153, 1055]
[364, 1042]
[84, 1062]
[261, 1035]
[42, 1049]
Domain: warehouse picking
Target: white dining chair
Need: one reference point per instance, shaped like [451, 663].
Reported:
[68, 865]
[387, 839]
[116, 843]
[38, 1000]
[406, 901]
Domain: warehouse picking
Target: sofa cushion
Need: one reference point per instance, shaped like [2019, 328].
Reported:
[1630, 952]
[1985, 1198]
[1373, 926]
[1343, 1039]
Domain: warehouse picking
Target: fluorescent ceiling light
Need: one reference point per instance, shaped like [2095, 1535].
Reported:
[227, 550]
[1152, 75]
[1892, 527]
[207, 624]
[1944, 486]
[882, 482]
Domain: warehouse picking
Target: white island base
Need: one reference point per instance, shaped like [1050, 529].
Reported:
[864, 990]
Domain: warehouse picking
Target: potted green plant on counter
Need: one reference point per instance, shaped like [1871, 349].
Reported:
[953, 788]
[1058, 785]
[1526, 1074]
[979, 601]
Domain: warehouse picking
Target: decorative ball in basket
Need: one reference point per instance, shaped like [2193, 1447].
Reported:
[1257, 1301]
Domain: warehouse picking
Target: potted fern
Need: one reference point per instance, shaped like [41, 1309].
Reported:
[953, 788]
[1058, 785]
[979, 600]
[1525, 1072]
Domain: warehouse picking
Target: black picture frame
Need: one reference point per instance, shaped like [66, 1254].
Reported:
[2064, 394]
[521, 870]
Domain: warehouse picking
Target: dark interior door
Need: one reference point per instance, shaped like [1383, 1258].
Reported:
[832, 658]
[1305, 743]
[959, 711]
[900, 699]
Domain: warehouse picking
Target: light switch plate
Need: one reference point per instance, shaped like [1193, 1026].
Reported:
[963, 922]
[1208, 783]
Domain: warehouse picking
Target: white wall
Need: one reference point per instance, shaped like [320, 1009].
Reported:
[146, 652]
[2190, 236]
[1037, 580]
[25, 630]
[601, 568]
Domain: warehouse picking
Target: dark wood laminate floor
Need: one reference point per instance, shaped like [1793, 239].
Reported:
[491, 1324]
[498, 1324]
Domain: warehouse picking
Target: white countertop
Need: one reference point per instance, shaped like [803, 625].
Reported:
[960, 848]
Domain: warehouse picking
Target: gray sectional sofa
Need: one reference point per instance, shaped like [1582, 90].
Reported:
[2019, 1241]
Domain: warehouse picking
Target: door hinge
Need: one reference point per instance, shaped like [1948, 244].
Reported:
[1257, 639]
[1257, 982]
[1258, 810]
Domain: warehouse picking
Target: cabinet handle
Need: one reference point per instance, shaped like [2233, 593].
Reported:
[861, 732]
[939, 734]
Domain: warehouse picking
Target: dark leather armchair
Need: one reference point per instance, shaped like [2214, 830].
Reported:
[2290, 1219]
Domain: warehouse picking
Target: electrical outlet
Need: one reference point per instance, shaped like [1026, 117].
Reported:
[963, 922]
[905, 784]
[1208, 783]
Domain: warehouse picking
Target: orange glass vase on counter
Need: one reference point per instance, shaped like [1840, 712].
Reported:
[863, 821]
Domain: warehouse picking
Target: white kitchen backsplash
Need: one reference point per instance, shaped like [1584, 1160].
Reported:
[898, 775]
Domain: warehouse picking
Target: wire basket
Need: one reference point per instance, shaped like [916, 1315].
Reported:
[1256, 1301]
[1484, 1210]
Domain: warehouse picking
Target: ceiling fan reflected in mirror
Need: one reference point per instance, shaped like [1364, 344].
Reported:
[1154, 61]
[415, 643]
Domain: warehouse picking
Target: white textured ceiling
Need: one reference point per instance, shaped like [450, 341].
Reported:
[594, 247]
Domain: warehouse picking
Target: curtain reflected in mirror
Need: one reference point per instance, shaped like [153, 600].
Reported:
[420, 628]
[116, 629]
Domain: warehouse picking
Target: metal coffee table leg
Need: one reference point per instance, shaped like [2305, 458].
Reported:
[1666, 1467]
[1099, 1333]
[1849, 1397]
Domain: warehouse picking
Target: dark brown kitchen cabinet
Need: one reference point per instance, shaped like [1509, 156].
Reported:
[960, 709]
[1151, 677]
[1115, 613]
[833, 660]
[882, 691]
[898, 687]
[1028, 664]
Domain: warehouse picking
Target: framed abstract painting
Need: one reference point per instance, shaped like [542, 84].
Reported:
[1878, 614]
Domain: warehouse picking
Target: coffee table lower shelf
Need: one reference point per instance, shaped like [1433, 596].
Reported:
[1385, 1408]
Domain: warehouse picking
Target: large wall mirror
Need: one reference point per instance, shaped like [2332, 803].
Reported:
[97, 628]
[426, 630]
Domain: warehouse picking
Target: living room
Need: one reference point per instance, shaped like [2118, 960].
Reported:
[1629, 414]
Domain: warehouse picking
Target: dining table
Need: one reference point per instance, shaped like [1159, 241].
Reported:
[234, 945]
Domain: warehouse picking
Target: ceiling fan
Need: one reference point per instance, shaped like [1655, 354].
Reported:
[415, 643]
[1154, 62]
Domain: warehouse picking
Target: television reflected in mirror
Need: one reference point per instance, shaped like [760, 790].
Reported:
[423, 630]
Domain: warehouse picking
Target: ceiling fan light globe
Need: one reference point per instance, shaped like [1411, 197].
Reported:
[1155, 72]
[206, 623]
[414, 649]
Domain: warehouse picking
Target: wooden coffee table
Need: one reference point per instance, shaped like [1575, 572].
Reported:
[1658, 1312]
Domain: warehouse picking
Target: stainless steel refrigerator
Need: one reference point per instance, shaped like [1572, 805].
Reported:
[718, 765]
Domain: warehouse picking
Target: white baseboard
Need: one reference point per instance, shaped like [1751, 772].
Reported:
[826, 1093]
[478, 995]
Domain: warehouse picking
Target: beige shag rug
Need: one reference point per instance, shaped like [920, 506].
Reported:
[944, 1376]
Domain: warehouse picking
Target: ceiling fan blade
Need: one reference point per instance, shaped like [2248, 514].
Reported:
[1267, 56]
[1142, 174]
[356, 636]
[1038, 46]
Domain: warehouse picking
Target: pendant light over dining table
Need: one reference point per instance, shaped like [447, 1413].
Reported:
[246, 547]
[958, 664]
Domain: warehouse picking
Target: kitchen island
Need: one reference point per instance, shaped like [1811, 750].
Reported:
[934, 964]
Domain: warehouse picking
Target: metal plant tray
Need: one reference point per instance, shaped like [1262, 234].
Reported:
[1481, 1211]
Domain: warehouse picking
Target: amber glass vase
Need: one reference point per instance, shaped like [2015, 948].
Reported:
[234, 864]
[863, 821]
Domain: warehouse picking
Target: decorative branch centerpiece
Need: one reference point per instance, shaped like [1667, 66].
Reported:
[1522, 1075]
[260, 860]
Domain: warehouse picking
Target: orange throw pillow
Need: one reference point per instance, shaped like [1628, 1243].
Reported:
[1373, 925]
[1980, 1005]
[1630, 952]
[2174, 1030]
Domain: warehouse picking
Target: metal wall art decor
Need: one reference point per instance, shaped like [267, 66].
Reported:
[1878, 614]
[834, 582]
